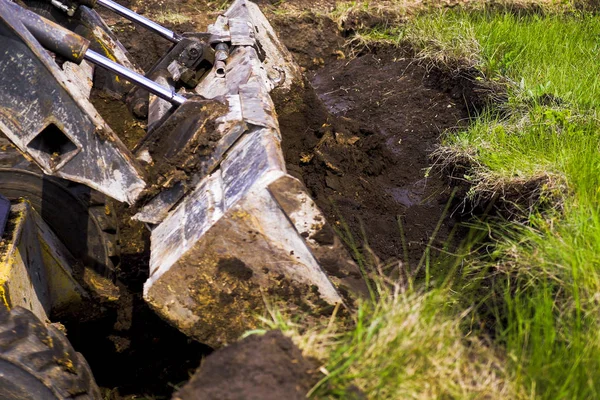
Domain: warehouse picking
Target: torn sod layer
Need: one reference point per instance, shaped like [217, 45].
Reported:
[541, 153]
[248, 229]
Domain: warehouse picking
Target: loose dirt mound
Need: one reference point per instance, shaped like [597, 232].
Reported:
[268, 367]
[367, 162]
[314, 40]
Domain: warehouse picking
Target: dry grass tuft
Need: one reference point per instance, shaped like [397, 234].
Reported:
[173, 17]
[404, 346]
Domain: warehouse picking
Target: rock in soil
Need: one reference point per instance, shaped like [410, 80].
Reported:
[268, 367]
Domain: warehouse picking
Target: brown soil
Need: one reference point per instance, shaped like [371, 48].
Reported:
[129, 129]
[268, 367]
[313, 40]
[179, 155]
[367, 163]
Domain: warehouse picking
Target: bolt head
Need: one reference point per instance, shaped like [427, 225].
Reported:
[140, 109]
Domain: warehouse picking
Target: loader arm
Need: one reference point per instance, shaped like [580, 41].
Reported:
[229, 225]
[49, 118]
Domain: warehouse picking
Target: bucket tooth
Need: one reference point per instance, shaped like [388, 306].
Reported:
[247, 232]
[320, 237]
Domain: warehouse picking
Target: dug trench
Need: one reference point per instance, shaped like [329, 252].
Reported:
[359, 134]
[361, 143]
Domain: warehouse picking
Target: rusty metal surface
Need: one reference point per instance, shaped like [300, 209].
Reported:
[52, 36]
[48, 118]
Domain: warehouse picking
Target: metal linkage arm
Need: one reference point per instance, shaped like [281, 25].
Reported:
[134, 77]
[52, 36]
[76, 48]
[145, 22]
[49, 117]
[70, 6]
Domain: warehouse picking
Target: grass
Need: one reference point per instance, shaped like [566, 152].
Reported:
[545, 266]
[406, 345]
[551, 55]
[533, 288]
[172, 16]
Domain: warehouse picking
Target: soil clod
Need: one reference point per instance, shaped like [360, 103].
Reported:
[268, 367]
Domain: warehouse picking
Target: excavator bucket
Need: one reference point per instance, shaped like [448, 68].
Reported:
[231, 229]
[247, 231]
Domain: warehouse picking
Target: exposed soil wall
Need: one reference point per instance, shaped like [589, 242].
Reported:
[361, 143]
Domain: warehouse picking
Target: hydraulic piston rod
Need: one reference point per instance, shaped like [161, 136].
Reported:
[75, 48]
[132, 16]
[134, 77]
